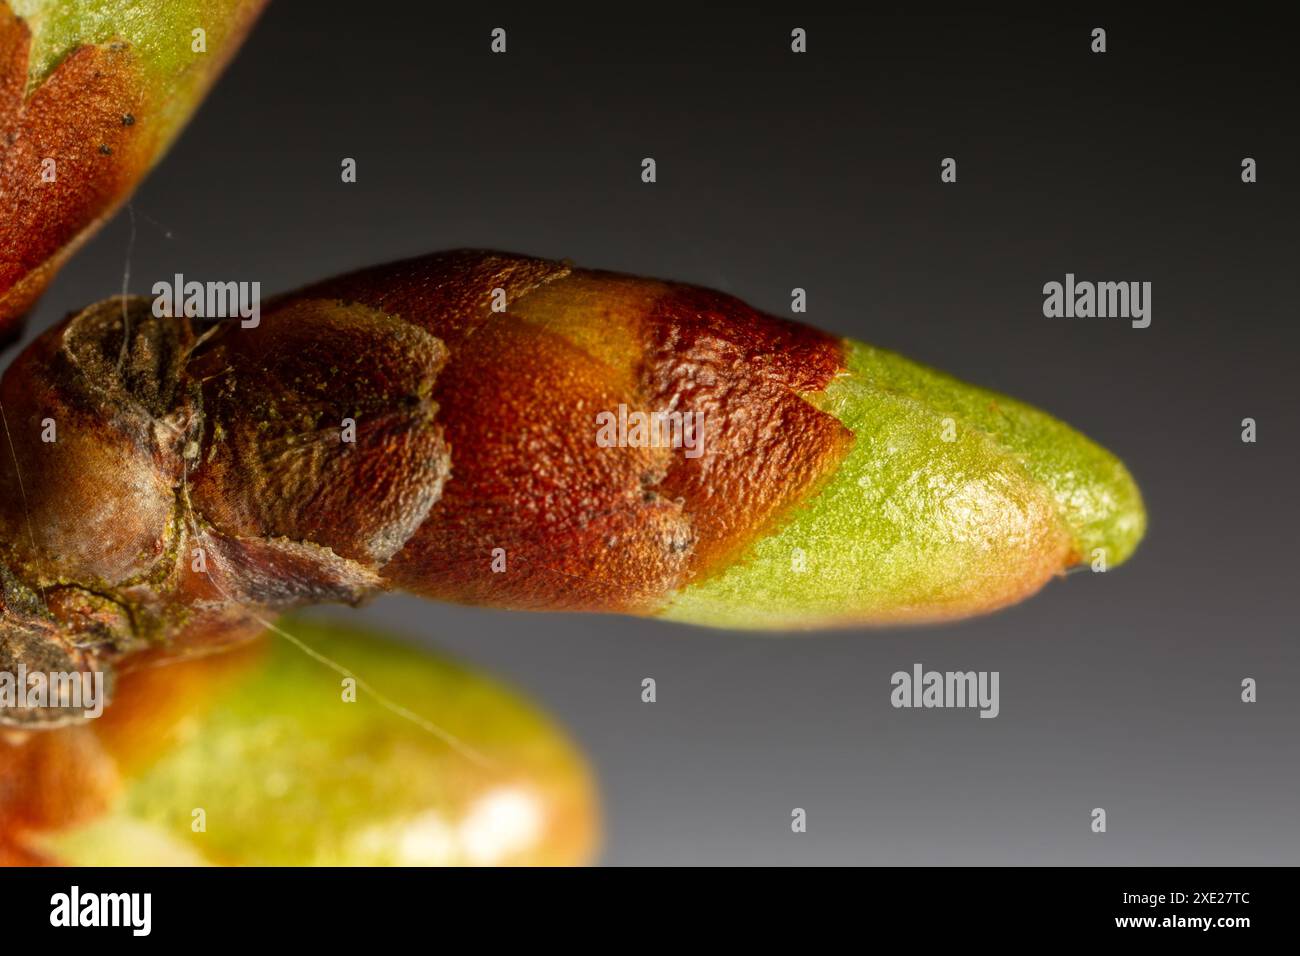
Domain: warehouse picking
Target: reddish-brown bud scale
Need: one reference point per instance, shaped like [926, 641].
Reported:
[595, 528]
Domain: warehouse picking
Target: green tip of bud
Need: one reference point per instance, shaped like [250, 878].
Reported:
[954, 500]
[1097, 499]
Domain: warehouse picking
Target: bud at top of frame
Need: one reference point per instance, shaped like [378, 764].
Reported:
[91, 94]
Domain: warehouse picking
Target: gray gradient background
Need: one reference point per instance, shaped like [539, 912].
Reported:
[821, 171]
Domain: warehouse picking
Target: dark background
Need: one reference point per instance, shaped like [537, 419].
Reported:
[822, 171]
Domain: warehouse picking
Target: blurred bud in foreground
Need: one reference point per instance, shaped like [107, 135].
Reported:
[266, 756]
